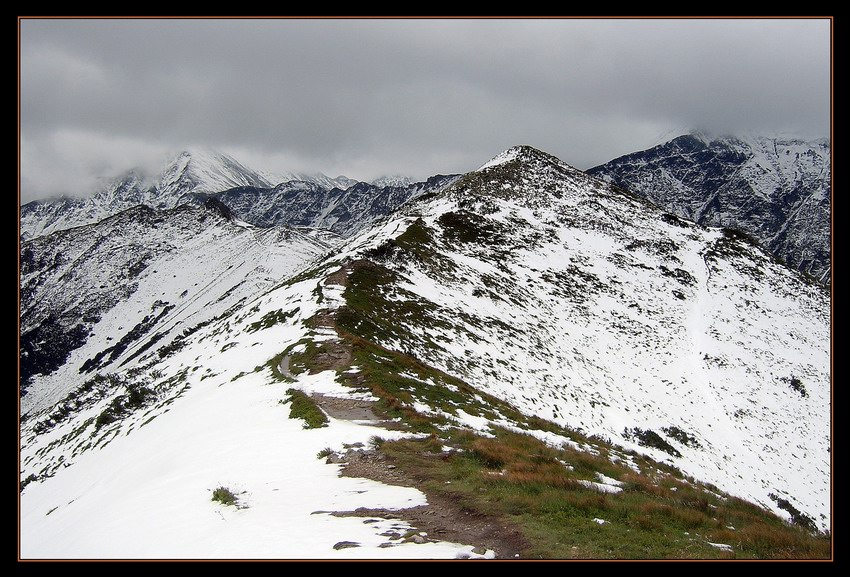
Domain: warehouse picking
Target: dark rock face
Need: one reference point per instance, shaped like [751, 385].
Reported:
[777, 190]
[301, 203]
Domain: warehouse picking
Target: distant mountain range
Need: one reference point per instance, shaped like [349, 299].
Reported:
[775, 189]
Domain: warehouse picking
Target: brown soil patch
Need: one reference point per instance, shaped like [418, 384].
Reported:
[348, 409]
[332, 355]
[444, 518]
[339, 277]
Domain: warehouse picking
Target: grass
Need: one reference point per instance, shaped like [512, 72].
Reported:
[303, 407]
[518, 478]
[370, 314]
[270, 319]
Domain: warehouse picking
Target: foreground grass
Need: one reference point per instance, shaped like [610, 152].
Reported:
[516, 477]
[303, 407]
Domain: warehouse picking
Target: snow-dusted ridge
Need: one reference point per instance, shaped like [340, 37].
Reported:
[537, 284]
[620, 316]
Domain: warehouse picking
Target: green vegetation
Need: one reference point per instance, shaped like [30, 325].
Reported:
[270, 319]
[796, 385]
[135, 398]
[303, 407]
[797, 517]
[649, 438]
[519, 479]
[224, 496]
[469, 227]
[682, 436]
[324, 453]
[370, 314]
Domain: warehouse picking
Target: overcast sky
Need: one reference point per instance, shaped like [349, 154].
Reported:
[367, 98]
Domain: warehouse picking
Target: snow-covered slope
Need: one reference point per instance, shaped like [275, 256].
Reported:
[125, 465]
[530, 281]
[581, 304]
[191, 172]
[95, 296]
[775, 189]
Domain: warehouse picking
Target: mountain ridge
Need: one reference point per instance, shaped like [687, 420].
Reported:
[560, 356]
[186, 174]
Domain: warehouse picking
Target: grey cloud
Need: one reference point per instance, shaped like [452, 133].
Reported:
[367, 97]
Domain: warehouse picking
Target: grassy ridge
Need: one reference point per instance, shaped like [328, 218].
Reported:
[510, 474]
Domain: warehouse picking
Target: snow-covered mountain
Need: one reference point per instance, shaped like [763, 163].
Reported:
[393, 180]
[189, 173]
[526, 302]
[96, 296]
[346, 212]
[776, 189]
[579, 303]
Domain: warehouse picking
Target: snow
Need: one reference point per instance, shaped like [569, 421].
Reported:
[472, 421]
[601, 487]
[325, 383]
[144, 490]
[608, 480]
[235, 435]
[201, 270]
[618, 351]
[501, 158]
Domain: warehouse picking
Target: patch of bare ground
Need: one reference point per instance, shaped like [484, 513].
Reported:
[339, 277]
[444, 518]
[347, 409]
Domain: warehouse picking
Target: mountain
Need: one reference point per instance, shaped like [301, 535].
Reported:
[393, 180]
[96, 296]
[775, 189]
[192, 172]
[529, 362]
[346, 212]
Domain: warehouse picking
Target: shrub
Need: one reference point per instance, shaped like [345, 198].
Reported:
[682, 436]
[326, 452]
[649, 438]
[224, 496]
[796, 385]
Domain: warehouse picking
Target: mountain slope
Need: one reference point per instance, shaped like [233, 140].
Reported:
[775, 189]
[94, 296]
[518, 342]
[573, 301]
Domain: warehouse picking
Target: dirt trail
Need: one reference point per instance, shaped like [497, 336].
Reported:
[445, 517]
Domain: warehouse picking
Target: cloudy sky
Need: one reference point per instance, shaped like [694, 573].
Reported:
[367, 98]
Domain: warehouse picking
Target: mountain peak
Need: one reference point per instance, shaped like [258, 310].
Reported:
[520, 152]
[393, 180]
